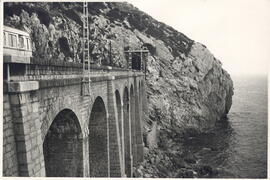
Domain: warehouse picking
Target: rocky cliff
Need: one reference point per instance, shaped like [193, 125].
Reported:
[188, 91]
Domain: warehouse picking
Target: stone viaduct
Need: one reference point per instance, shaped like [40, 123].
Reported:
[53, 126]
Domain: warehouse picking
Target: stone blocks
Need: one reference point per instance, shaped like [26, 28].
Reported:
[23, 86]
[31, 106]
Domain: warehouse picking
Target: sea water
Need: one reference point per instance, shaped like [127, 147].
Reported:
[237, 147]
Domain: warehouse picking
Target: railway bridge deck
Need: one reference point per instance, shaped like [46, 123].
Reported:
[55, 124]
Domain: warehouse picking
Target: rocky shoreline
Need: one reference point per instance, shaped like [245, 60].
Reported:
[174, 164]
[189, 156]
[177, 161]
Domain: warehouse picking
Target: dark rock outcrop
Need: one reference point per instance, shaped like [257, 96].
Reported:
[187, 89]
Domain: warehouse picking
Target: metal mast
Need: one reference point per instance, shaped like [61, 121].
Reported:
[86, 53]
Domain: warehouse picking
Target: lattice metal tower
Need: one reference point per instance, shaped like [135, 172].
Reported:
[86, 53]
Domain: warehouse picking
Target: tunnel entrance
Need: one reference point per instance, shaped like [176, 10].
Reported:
[136, 61]
[62, 146]
[98, 140]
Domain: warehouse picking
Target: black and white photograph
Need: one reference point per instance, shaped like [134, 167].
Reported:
[135, 89]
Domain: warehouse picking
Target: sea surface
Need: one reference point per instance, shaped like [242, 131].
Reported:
[237, 148]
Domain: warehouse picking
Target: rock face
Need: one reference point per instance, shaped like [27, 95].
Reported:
[190, 94]
[187, 89]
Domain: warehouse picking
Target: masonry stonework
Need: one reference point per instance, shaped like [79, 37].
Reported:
[10, 164]
[48, 120]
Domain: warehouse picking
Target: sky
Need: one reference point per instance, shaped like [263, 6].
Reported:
[237, 32]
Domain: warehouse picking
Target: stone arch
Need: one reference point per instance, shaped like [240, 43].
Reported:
[127, 136]
[98, 140]
[138, 126]
[63, 146]
[120, 122]
[52, 112]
